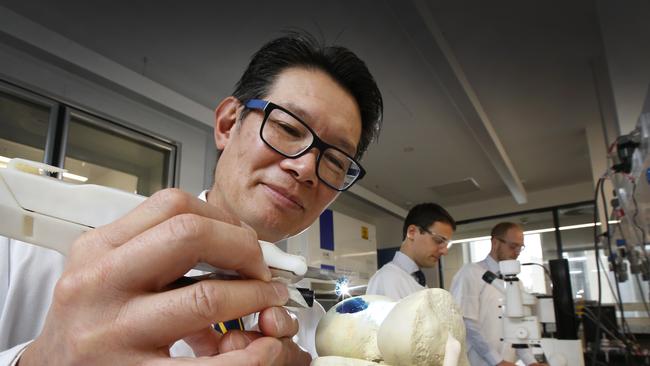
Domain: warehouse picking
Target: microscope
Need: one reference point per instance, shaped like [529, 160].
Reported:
[523, 314]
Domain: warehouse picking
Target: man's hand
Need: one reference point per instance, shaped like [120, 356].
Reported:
[273, 322]
[112, 305]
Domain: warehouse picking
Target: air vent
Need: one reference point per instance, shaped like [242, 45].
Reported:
[464, 186]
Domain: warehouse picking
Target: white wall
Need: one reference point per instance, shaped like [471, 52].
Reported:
[387, 224]
[352, 252]
[451, 264]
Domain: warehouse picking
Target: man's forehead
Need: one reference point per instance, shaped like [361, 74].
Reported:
[442, 226]
[515, 232]
[314, 108]
[342, 141]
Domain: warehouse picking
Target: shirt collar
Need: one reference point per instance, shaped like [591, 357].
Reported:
[404, 262]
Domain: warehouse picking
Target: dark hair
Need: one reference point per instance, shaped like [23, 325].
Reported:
[426, 214]
[502, 228]
[300, 49]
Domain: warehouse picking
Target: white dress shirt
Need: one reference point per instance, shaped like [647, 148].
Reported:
[394, 279]
[480, 303]
[28, 274]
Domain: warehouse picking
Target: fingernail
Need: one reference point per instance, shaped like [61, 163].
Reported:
[281, 291]
[236, 342]
[228, 345]
[280, 321]
[267, 275]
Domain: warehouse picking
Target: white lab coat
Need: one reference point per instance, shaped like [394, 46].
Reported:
[480, 303]
[394, 278]
[28, 275]
[27, 278]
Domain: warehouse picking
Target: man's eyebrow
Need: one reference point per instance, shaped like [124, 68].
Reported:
[306, 117]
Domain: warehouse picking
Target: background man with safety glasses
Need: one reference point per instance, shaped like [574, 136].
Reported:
[426, 234]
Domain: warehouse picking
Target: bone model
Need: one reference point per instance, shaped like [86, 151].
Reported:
[425, 328]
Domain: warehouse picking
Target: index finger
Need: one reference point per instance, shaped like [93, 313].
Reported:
[163, 207]
[155, 258]
[156, 209]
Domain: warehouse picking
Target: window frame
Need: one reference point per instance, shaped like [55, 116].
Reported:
[104, 124]
[63, 111]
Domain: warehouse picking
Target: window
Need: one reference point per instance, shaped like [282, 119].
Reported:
[578, 247]
[92, 149]
[26, 120]
[100, 153]
[577, 234]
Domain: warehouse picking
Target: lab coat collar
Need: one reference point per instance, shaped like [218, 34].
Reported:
[490, 264]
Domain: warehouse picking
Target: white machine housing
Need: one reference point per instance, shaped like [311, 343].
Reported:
[521, 326]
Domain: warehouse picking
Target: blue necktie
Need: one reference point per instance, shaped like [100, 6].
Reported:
[419, 276]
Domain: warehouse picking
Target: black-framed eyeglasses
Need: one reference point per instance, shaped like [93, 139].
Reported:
[439, 239]
[514, 246]
[287, 134]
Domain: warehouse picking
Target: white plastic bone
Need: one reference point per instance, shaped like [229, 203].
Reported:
[354, 334]
[415, 332]
[425, 328]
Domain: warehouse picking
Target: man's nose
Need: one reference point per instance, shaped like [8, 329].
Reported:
[304, 167]
[445, 250]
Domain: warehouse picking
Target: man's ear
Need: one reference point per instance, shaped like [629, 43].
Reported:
[410, 231]
[225, 118]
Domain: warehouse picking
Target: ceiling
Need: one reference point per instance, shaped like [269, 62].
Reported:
[527, 64]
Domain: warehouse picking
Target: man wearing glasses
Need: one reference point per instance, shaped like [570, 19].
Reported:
[426, 234]
[290, 138]
[480, 302]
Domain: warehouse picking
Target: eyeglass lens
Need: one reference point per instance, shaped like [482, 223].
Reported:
[291, 137]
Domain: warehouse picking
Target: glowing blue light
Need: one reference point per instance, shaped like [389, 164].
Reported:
[342, 287]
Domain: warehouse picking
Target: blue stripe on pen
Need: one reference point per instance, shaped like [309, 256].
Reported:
[224, 327]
